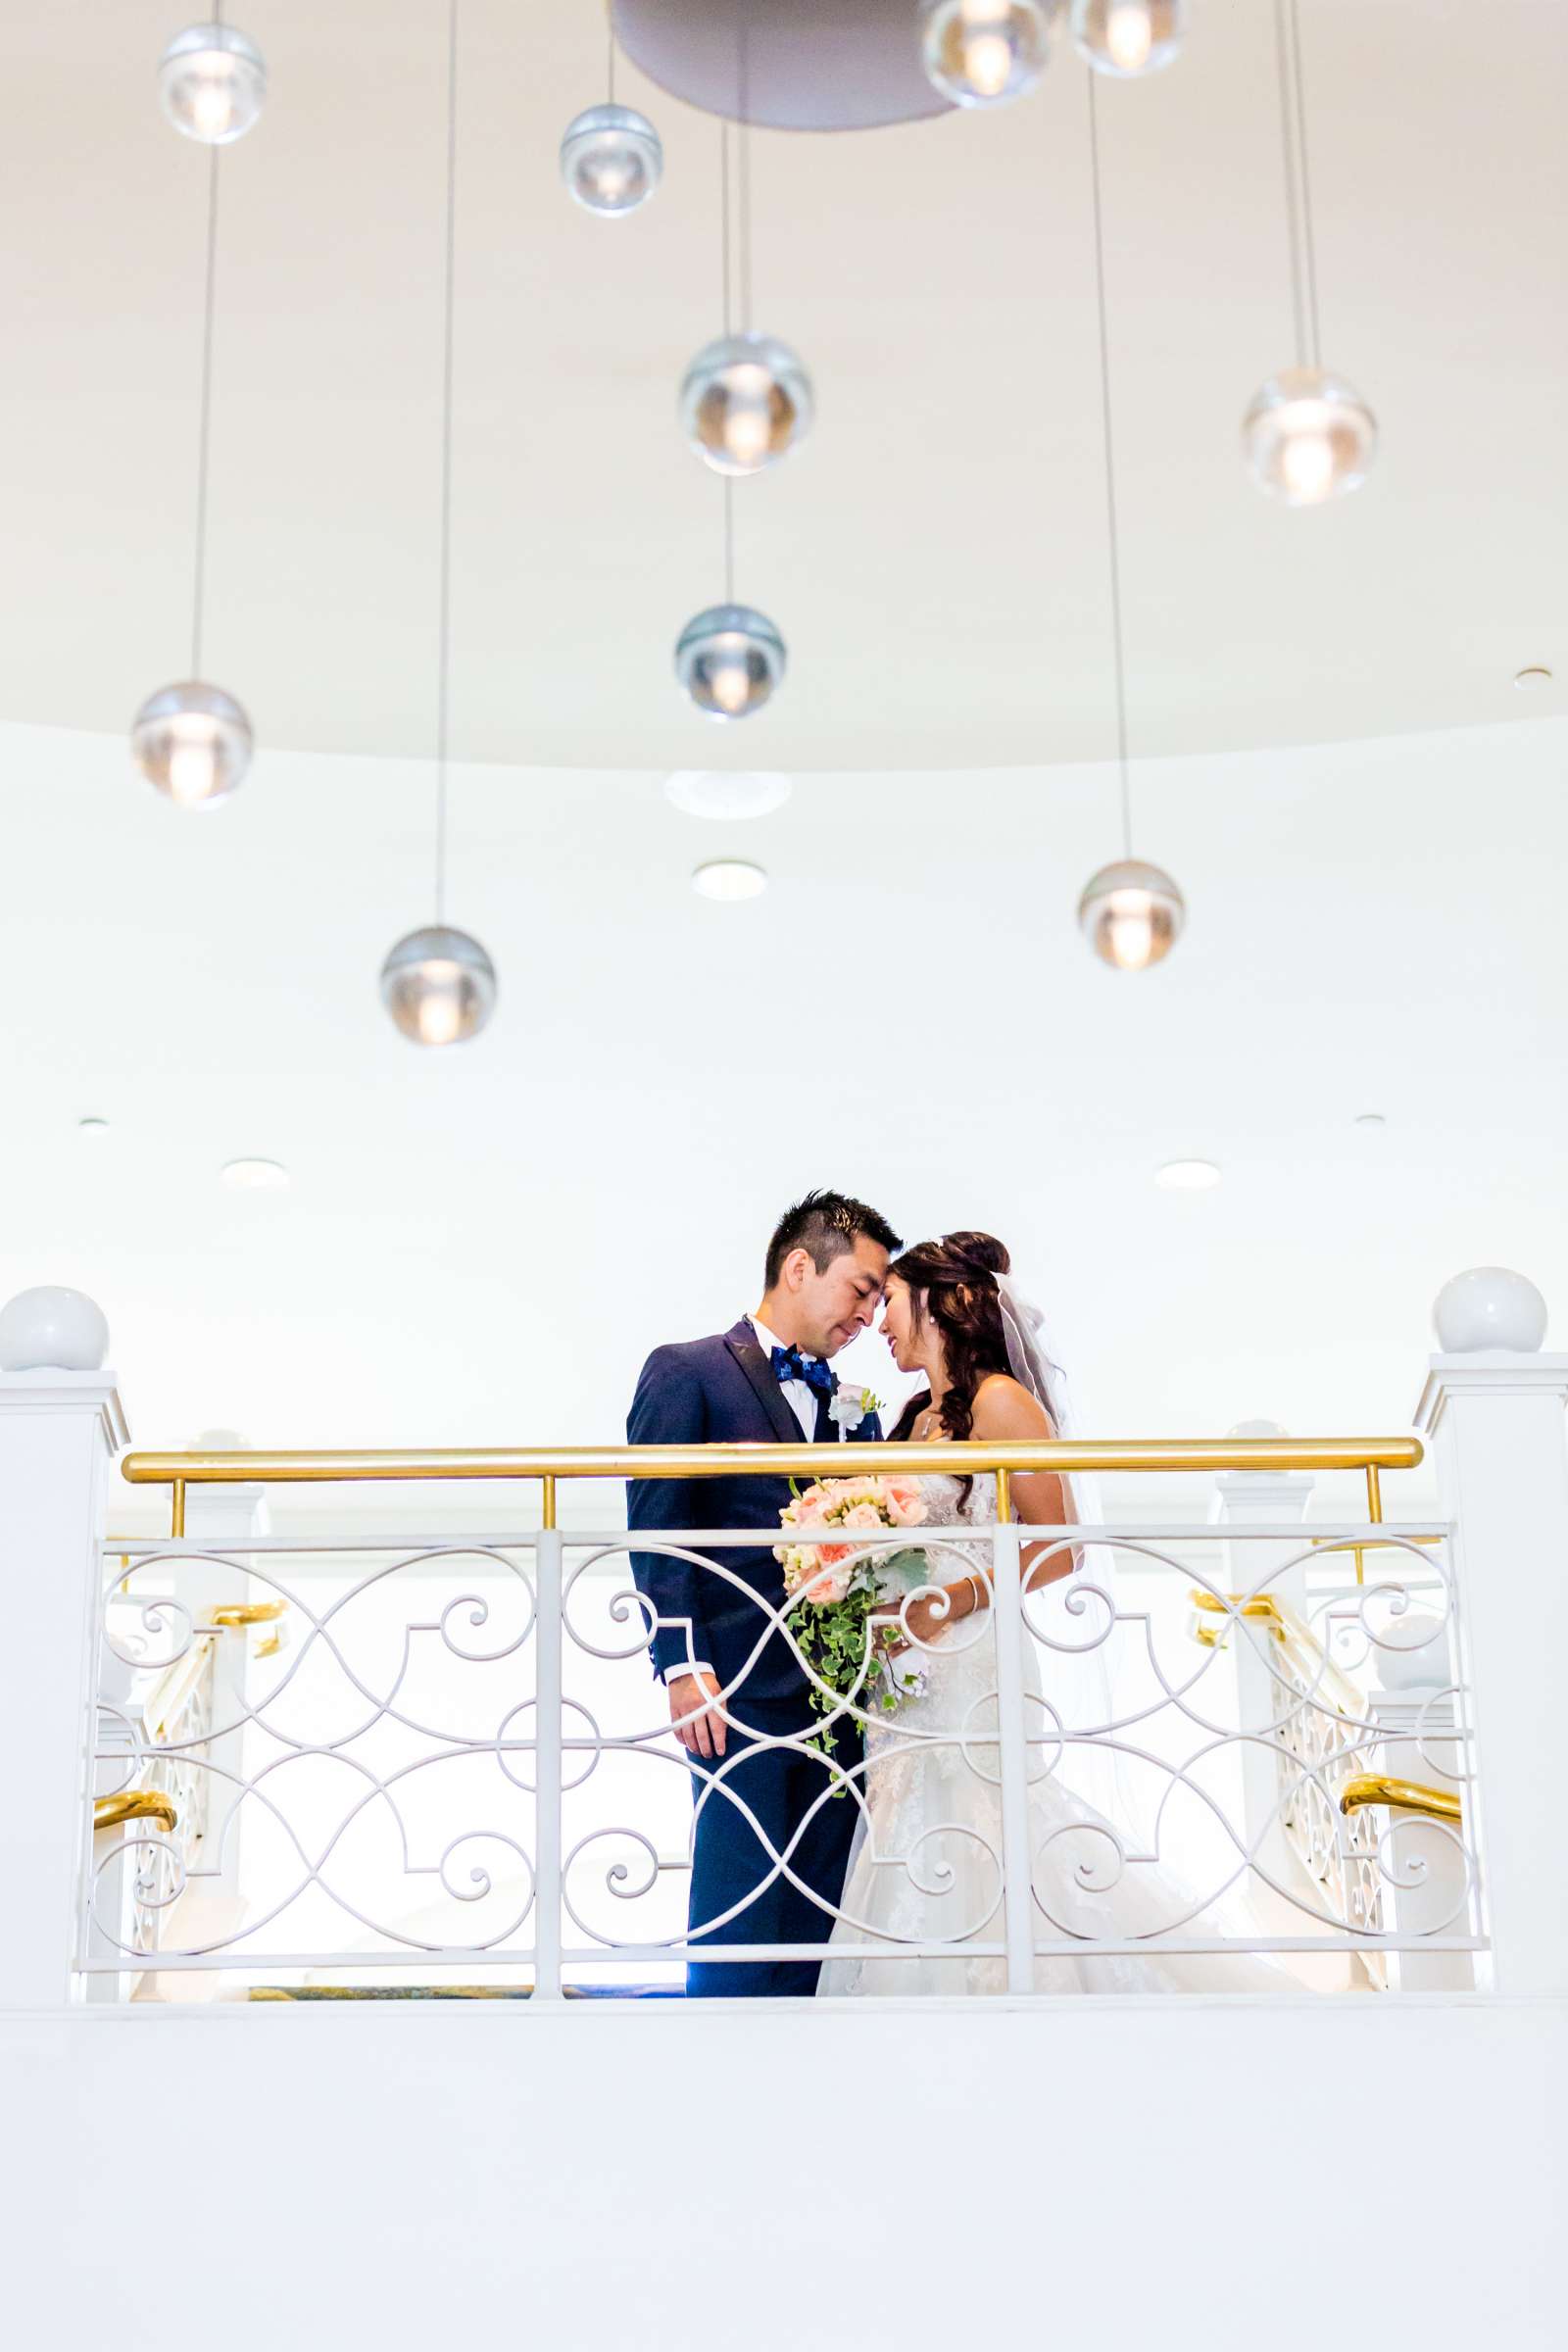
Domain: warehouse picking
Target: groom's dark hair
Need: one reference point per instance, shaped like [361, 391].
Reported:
[825, 1224]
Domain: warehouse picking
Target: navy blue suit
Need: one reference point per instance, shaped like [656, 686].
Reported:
[723, 1389]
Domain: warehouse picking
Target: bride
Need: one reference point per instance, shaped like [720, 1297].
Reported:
[926, 1866]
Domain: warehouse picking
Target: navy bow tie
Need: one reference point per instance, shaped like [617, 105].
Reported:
[790, 1364]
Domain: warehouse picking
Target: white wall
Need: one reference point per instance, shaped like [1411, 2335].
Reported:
[1101, 2173]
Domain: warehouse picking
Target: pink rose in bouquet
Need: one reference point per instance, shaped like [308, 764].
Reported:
[834, 1585]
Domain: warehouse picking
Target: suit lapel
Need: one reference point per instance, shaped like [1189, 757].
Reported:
[742, 1345]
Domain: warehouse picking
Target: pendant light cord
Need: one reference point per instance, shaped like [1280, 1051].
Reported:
[1113, 532]
[443, 659]
[727, 274]
[743, 94]
[610, 72]
[735, 253]
[1297, 186]
[204, 428]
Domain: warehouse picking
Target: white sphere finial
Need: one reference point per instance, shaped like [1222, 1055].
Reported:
[52, 1330]
[1258, 1429]
[1490, 1307]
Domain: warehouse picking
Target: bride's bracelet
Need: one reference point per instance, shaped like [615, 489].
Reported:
[980, 1588]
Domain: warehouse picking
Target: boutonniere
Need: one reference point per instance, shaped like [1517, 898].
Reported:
[849, 1406]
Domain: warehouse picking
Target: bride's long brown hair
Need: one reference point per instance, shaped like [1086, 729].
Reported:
[953, 1283]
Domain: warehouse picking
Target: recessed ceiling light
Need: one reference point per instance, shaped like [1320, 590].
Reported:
[729, 878]
[1530, 681]
[254, 1175]
[1186, 1176]
[93, 1129]
[1370, 1119]
[712, 792]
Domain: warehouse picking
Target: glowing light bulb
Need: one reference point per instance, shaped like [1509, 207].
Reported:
[988, 62]
[1309, 465]
[1130, 35]
[729, 683]
[190, 766]
[748, 420]
[1132, 935]
[440, 1015]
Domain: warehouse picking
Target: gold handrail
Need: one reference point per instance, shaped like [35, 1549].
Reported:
[1400, 1797]
[134, 1804]
[549, 1463]
[774, 1461]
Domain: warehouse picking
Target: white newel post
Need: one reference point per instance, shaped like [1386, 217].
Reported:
[59, 1431]
[1245, 1499]
[1492, 1408]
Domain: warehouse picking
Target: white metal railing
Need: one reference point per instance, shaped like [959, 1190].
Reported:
[461, 1763]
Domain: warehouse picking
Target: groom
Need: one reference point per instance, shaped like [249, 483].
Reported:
[767, 1382]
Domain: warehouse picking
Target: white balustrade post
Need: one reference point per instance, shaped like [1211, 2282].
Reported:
[1017, 1879]
[1245, 1499]
[547, 1761]
[58, 1432]
[1492, 1408]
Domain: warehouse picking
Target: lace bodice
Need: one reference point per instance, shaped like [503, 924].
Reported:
[945, 1506]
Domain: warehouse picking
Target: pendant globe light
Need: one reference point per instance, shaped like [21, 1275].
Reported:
[730, 659]
[746, 400]
[1128, 38]
[212, 82]
[1130, 913]
[1307, 435]
[437, 983]
[192, 740]
[985, 52]
[612, 157]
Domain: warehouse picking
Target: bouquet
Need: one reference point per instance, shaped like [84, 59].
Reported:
[836, 1584]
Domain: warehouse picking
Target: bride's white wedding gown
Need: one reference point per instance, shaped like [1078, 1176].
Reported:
[926, 1865]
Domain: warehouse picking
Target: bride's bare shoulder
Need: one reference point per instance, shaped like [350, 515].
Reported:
[1005, 1408]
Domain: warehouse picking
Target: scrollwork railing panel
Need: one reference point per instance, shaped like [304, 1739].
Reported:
[380, 1774]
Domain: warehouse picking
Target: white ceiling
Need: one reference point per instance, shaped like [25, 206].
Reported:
[1368, 822]
[479, 1246]
[935, 555]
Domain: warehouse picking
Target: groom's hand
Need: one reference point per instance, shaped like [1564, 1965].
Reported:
[698, 1724]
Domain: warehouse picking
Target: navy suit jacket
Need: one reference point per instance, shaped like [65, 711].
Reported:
[694, 1392]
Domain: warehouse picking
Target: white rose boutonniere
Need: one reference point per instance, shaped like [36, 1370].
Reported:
[851, 1407]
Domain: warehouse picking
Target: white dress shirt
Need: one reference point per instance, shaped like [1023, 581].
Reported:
[802, 1404]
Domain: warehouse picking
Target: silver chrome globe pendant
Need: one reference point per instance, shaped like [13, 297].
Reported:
[1309, 436]
[985, 52]
[612, 159]
[439, 986]
[729, 660]
[1131, 913]
[193, 742]
[213, 83]
[1128, 38]
[744, 402]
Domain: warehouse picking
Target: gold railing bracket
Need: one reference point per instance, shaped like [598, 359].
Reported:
[1401, 1796]
[136, 1804]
